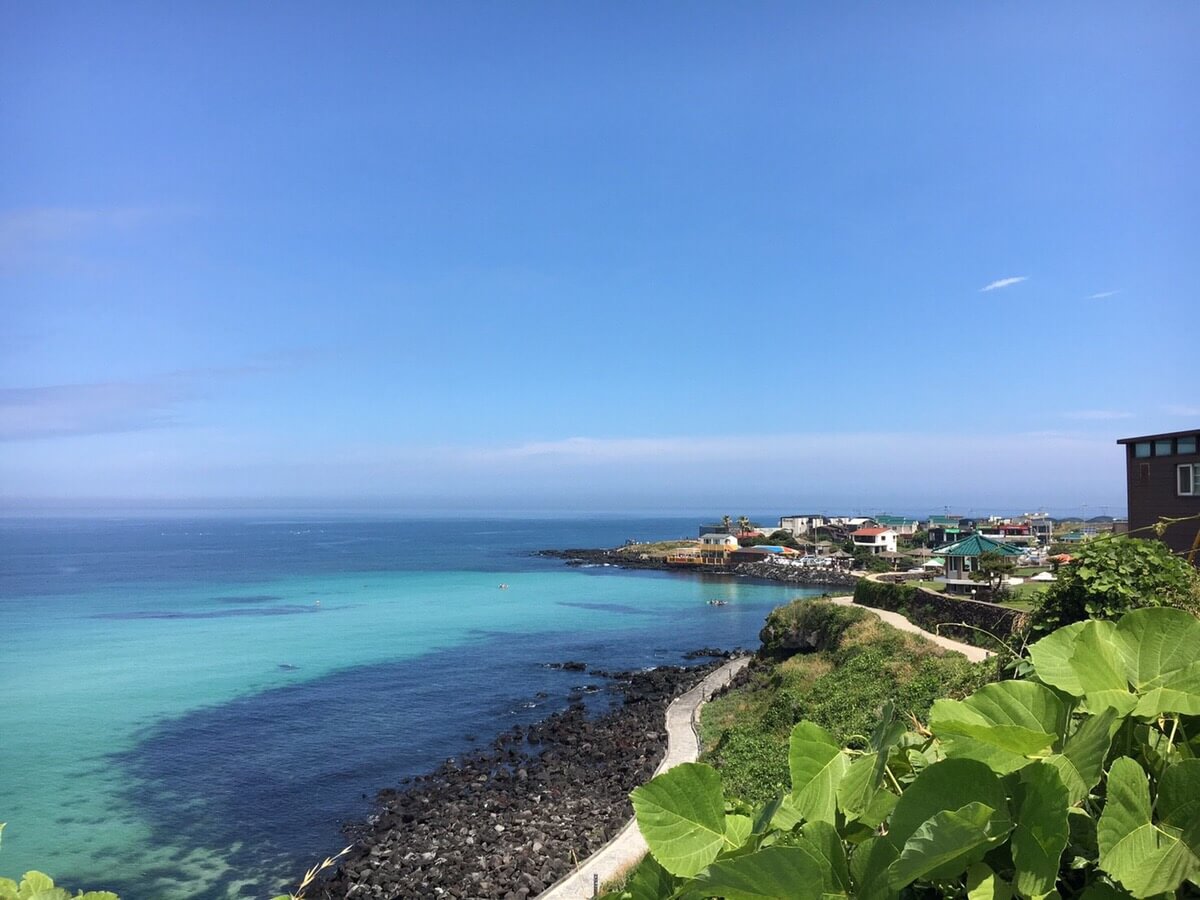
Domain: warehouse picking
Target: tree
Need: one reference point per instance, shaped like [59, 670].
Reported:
[993, 568]
[784, 538]
[1108, 576]
[743, 524]
[726, 521]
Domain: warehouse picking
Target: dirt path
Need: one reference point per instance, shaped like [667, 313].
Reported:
[974, 654]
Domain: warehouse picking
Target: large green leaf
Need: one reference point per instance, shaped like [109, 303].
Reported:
[39, 886]
[946, 786]
[649, 881]
[681, 814]
[1051, 657]
[869, 868]
[1004, 725]
[765, 813]
[1145, 859]
[1083, 660]
[984, 884]
[1081, 763]
[1179, 801]
[1155, 650]
[817, 765]
[1041, 831]
[776, 873]
[1102, 670]
[826, 844]
[946, 844]
[788, 814]
[886, 735]
[858, 786]
[1161, 651]
[737, 829]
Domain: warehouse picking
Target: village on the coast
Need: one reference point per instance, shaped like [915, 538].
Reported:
[1009, 555]
[988, 557]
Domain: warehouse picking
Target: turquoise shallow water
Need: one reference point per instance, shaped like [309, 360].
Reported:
[192, 709]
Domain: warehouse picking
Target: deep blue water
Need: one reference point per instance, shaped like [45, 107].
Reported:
[194, 707]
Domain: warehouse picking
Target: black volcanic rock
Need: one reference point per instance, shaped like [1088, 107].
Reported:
[511, 820]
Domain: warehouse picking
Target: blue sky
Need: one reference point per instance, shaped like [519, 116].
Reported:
[595, 256]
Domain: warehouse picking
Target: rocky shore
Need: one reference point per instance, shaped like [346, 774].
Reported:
[804, 575]
[509, 821]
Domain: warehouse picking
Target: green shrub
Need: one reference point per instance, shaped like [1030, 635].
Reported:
[804, 626]
[1079, 782]
[1109, 576]
[753, 762]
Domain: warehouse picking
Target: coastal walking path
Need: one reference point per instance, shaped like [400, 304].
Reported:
[974, 654]
[683, 745]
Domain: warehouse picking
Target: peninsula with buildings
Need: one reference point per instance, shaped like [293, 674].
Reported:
[994, 557]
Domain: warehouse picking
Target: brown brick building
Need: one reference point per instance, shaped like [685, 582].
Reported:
[1162, 473]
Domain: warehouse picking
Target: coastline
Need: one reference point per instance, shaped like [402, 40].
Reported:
[514, 819]
[784, 574]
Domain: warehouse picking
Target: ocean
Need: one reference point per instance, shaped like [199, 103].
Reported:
[192, 708]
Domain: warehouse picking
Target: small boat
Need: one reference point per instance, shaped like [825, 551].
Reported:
[718, 602]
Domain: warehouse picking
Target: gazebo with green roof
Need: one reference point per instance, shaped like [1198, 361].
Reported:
[962, 558]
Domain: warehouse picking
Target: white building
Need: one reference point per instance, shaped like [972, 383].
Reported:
[877, 540]
[801, 525]
[715, 548]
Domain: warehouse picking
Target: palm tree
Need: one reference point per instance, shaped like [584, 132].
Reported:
[743, 524]
[726, 522]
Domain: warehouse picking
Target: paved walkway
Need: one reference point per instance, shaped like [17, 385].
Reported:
[683, 745]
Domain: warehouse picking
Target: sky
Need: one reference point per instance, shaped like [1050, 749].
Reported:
[584, 256]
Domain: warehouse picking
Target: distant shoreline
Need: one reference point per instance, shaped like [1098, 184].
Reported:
[800, 575]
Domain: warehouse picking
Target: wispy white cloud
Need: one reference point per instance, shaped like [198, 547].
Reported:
[78, 409]
[904, 471]
[74, 410]
[1003, 283]
[1097, 415]
[1103, 294]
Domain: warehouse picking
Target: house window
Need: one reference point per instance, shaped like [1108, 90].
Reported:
[1189, 480]
[1185, 446]
[1162, 448]
[1141, 449]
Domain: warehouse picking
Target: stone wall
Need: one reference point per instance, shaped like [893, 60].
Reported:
[941, 614]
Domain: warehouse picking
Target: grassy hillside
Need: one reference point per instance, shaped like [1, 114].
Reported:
[832, 665]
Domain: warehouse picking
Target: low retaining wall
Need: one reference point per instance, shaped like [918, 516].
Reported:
[941, 614]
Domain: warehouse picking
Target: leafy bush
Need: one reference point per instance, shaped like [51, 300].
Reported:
[753, 762]
[1083, 780]
[1109, 576]
[806, 626]
[36, 886]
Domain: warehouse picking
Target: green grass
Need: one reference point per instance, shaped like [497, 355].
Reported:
[658, 548]
[842, 687]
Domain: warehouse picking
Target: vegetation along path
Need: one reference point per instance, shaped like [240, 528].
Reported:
[974, 654]
[683, 745]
